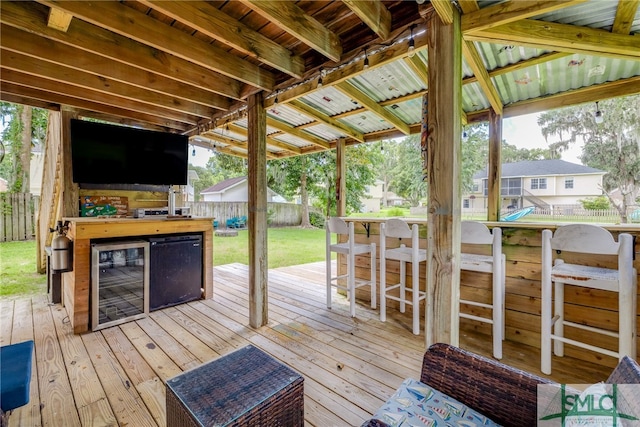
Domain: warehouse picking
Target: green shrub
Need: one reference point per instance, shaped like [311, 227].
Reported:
[395, 212]
[316, 219]
[599, 203]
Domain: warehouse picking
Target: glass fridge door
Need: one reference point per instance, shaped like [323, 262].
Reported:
[119, 282]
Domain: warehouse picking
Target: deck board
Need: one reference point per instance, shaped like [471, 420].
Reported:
[117, 375]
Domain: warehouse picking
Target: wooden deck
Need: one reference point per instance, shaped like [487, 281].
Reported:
[116, 376]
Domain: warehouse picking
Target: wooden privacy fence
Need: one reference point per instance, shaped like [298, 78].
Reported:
[17, 216]
[279, 214]
[563, 214]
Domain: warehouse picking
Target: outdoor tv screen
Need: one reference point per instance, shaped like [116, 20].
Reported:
[109, 154]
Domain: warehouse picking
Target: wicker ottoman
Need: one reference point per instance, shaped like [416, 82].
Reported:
[243, 388]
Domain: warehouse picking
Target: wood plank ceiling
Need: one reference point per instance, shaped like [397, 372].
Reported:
[329, 69]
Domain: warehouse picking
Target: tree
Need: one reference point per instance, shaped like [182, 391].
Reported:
[407, 173]
[225, 166]
[289, 177]
[612, 146]
[24, 128]
[205, 180]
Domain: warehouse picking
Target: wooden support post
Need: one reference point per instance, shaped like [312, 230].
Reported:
[341, 178]
[257, 221]
[494, 198]
[443, 167]
[70, 192]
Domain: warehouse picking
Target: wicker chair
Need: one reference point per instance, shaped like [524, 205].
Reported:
[505, 394]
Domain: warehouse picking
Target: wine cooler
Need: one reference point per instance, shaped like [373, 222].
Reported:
[119, 282]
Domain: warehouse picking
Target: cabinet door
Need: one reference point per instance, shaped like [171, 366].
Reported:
[119, 282]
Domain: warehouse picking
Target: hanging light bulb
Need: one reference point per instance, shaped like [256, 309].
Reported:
[193, 153]
[598, 114]
[366, 60]
[320, 78]
[412, 44]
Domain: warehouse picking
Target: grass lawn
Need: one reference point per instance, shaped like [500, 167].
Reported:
[286, 246]
[18, 274]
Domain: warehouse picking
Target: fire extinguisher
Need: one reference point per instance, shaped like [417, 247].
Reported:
[61, 249]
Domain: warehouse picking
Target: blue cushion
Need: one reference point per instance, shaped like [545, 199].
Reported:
[15, 375]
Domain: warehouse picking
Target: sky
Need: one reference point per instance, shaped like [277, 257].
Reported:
[522, 131]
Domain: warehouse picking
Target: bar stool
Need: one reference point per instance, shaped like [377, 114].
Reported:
[396, 228]
[476, 233]
[349, 248]
[587, 239]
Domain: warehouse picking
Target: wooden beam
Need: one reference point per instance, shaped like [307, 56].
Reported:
[24, 100]
[270, 141]
[418, 67]
[443, 166]
[19, 41]
[444, 9]
[51, 88]
[350, 70]
[30, 17]
[257, 222]
[561, 37]
[374, 14]
[341, 178]
[371, 105]
[291, 18]
[220, 26]
[298, 133]
[325, 119]
[58, 19]
[510, 11]
[480, 71]
[494, 197]
[468, 6]
[95, 86]
[625, 14]
[38, 95]
[70, 190]
[130, 23]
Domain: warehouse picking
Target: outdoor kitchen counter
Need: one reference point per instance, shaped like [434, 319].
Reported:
[521, 244]
[76, 284]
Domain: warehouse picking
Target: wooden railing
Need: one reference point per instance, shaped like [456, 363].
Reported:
[17, 216]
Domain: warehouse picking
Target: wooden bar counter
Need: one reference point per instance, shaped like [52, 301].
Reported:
[76, 284]
[521, 244]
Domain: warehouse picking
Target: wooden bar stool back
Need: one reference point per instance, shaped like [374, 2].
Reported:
[587, 239]
[349, 248]
[476, 233]
[396, 228]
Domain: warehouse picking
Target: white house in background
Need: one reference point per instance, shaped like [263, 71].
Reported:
[372, 200]
[235, 190]
[541, 183]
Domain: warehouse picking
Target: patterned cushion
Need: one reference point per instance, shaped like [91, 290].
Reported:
[417, 405]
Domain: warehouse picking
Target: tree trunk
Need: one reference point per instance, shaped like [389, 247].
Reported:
[304, 200]
[25, 149]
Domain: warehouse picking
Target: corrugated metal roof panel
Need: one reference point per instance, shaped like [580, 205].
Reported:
[292, 140]
[473, 98]
[389, 81]
[497, 55]
[366, 122]
[560, 75]
[330, 101]
[325, 132]
[288, 115]
[409, 111]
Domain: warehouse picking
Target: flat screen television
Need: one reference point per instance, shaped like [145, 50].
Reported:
[109, 154]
